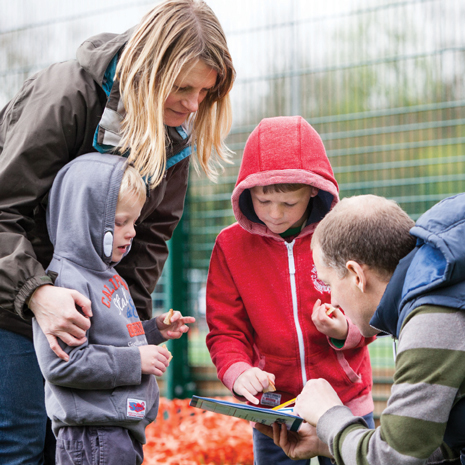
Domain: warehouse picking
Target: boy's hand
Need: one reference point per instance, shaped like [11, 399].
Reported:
[177, 327]
[251, 382]
[154, 359]
[334, 324]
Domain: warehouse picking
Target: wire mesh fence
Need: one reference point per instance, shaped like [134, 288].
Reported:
[383, 84]
[382, 81]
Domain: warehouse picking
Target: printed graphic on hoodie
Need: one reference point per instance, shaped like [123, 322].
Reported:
[115, 283]
[136, 408]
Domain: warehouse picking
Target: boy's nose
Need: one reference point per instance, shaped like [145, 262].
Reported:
[275, 212]
[131, 232]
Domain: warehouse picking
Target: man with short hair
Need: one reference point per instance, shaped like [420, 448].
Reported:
[391, 276]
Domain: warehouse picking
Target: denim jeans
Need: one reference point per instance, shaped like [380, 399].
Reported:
[97, 445]
[266, 452]
[23, 420]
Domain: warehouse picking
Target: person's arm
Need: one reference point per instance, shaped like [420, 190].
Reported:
[97, 366]
[156, 331]
[39, 130]
[142, 267]
[425, 387]
[91, 367]
[231, 334]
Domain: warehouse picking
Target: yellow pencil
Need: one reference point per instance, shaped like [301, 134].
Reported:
[289, 402]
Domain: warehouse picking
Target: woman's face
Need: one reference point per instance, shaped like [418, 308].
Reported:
[189, 90]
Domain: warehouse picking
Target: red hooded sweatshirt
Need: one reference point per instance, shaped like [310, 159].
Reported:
[261, 289]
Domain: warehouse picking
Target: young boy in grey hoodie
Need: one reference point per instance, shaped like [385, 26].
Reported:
[101, 399]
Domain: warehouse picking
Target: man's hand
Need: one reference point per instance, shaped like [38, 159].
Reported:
[55, 311]
[177, 327]
[154, 359]
[334, 325]
[251, 382]
[300, 445]
[316, 398]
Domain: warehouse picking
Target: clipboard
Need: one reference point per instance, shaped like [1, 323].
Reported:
[248, 412]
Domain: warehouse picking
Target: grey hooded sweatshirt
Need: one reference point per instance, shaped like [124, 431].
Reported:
[101, 384]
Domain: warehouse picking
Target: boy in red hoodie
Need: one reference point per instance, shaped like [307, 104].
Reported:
[266, 309]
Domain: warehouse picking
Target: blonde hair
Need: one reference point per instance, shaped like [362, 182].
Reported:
[368, 229]
[174, 34]
[132, 184]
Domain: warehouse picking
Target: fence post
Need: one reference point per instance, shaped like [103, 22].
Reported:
[178, 377]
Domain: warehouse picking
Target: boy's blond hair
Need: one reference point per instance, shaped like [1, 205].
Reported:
[132, 184]
[174, 34]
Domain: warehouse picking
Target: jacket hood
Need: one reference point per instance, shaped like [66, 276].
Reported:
[441, 256]
[283, 150]
[81, 209]
[96, 53]
[434, 272]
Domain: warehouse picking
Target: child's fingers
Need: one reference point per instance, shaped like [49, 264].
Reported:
[167, 320]
[330, 311]
[319, 316]
[242, 390]
[177, 332]
[250, 397]
[168, 354]
[177, 317]
[270, 387]
[256, 385]
[253, 380]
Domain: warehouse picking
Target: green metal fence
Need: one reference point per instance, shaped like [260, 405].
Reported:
[382, 82]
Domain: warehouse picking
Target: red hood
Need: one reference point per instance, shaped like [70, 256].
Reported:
[284, 150]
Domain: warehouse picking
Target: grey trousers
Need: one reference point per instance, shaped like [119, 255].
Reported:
[97, 445]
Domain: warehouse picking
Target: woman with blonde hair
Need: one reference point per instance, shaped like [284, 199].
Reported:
[154, 94]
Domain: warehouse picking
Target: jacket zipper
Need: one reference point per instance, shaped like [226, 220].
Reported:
[300, 338]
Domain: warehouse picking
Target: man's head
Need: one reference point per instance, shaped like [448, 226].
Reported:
[131, 198]
[282, 206]
[356, 249]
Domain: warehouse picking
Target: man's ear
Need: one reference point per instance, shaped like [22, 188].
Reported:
[357, 274]
[314, 192]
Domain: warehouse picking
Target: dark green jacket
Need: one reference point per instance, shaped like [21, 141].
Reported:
[51, 121]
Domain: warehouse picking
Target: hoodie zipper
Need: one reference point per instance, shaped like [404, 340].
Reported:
[295, 310]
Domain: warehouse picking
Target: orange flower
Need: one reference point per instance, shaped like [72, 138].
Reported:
[183, 435]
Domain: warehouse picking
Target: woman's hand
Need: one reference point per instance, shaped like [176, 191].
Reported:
[177, 327]
[251, 382]
[55, 311]
[334, 324]
[300, 445]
